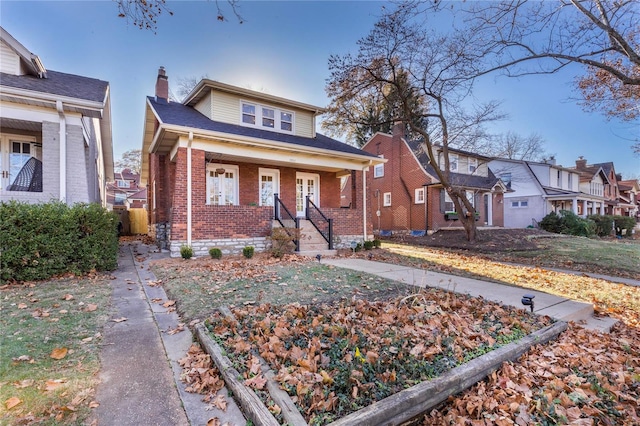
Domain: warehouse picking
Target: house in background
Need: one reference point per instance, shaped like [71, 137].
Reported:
[55, 131]
[125, 190]
[593, 182]
[539, 188]
[227, 165]
[629, 198]
[405, 194]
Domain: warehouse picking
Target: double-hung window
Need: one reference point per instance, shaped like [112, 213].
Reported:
[378, 169]
[473, 165]
[266, 117]
[222, 186]
[453, 162]
[419, 195]
[386, 201]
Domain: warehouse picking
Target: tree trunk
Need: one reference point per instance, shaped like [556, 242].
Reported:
[469, 224]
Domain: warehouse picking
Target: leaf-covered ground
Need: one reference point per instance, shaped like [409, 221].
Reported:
[584, 377]
[334, 359]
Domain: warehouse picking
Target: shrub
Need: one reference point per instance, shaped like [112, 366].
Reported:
[569, 223]
[282, 241]
[215, 253]
[186, 252]
[358, 247]
[624, 222]
[368, 245]
[604, 224]
[377, 243]
[39, 241]
[248, 252]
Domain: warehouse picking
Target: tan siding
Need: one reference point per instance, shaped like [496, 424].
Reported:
[304, 124]
[483, 169]
[9, 60]
[205, 106]
[226, 108]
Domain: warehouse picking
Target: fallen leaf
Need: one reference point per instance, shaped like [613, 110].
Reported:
[91, 307]
[169, 303]
[213, 422]
[24, 383]
[220, 402]
[12, 402]
[94, 404]
[256, 382]
[59, 353]
[68, 297]
[121, 319]
[22, 358]
[51, 385]
[22, 306]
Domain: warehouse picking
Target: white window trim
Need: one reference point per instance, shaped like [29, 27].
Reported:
[386, 199]
[518, 204]
[277, 117]
[472, 162]
[268, 172]
[378, 169]
[454, 159]
[418, 191]
[228, 167]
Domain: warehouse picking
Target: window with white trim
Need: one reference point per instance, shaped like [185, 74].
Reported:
[419, 195]
[473, 165]
[386, 200]
[123, 183]
[378, 169]
[264, 116]
[519, 204]
[222, 186]
[453, 162]
[268, 185]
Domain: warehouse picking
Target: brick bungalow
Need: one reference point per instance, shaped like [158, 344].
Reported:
[406, 196]
[228, 164]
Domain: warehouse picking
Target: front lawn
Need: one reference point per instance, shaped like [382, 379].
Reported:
[49, 348]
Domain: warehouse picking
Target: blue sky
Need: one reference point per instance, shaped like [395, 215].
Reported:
[282, 48]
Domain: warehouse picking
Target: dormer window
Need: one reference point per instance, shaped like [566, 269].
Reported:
[263, 116]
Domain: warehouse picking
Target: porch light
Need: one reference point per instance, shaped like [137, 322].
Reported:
[527, 300]
[220, 170]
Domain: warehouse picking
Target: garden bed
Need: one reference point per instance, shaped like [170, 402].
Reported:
[337, 358]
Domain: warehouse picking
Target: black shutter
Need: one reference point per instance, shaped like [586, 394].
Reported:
[442, 206]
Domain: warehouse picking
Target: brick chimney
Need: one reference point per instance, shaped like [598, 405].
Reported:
[581, 163]
[398, 130]
[162, 86]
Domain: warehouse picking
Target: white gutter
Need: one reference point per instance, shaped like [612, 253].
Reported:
[364, 203]
[189, 189]
[40, 96]
[63, 151]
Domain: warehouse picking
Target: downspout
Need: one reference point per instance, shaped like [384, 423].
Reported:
[63, 151]
[364, 202]
[189, 188]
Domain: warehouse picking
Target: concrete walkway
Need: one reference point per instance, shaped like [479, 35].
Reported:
[545, 304]
[140, 376]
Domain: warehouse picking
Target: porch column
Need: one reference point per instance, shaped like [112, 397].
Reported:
[490, 209]
[602, 208]
[584, 208]
[364, 203]
[63, 151]
[574, 206]
[189, 201]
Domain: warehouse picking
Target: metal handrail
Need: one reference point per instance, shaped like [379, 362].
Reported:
[328, 234]
[278, 206]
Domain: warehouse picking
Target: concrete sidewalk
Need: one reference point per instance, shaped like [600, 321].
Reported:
[140, 375]
[545, 304]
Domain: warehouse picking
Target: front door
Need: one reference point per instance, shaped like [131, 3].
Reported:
[18, 173]
[307, 184]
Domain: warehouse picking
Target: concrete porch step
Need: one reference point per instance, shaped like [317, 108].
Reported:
[314, 253]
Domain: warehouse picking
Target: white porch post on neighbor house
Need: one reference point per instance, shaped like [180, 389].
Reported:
[189, 189]
[602, 208]
[574, 206]
[489, 209]
[63, 151]
[584, 208]
[364, 202]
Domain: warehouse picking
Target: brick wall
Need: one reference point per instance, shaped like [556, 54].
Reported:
[77, 185]
[246, 221]
[402, 176]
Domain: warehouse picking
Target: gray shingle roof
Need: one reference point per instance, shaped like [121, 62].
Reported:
[58, 83]
[457, 179]
[182, 115]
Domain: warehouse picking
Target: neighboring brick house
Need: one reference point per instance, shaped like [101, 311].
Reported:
[405, 194]
[629, 200]
[593, 183]
[214, 164]
[55, 131]
[125, 190]
[610, 191]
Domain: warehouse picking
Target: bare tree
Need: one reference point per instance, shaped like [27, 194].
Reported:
[131, 160]
[184, 87]
[521, 37]
[403, 60]
[144, 14]
[513, 146]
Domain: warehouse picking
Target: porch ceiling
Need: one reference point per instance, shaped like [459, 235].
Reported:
[6, 124]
